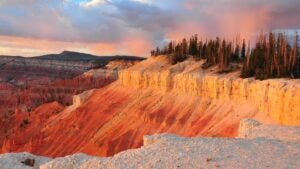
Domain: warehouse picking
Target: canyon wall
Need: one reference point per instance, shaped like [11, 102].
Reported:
[279, 99]
[152, 97]
[58, 64]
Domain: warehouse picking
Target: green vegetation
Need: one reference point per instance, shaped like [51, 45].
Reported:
[272, 56]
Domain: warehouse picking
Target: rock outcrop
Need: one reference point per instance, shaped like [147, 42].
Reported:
[250, 129]
[78, 100]
[76, 161]
[170, 151]
[111, 69]
[81, 98]
[96, 73]
[259, 149]
[18, 161]
[278, 98]
[246, 127]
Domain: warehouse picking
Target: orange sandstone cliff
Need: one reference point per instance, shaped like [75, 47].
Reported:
[277, 98]
[156, 97]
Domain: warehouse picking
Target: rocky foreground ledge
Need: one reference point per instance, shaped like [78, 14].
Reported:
[259, 146]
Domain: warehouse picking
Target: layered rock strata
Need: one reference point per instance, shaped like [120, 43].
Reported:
[278, 98]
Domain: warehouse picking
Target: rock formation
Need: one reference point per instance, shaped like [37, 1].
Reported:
[28, 85]
[250, 129]
[81, 98]
[17, 161]
[278, 98]
[246, 127]
[157, 97]
[170, 151]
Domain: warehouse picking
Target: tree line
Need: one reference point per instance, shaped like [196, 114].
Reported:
[272, 56]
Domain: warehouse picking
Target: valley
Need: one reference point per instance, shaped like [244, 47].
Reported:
[145, 84]
[29, 83]
[152, 97]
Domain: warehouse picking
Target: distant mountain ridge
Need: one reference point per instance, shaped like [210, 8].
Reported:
[65, 64]
[70, 57]
[78, 56]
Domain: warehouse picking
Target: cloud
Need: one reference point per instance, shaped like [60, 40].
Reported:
[92, 3]
[134, 26]
[227, 18]
[14, 3]
[144, 1]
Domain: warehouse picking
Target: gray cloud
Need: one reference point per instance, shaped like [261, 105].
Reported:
[112, 21]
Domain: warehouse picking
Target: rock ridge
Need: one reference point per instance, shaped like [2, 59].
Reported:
[278, 98]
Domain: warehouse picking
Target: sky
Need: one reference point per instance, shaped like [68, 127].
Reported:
[133, 27]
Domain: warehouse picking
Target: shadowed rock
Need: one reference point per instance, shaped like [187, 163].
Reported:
[29, 162]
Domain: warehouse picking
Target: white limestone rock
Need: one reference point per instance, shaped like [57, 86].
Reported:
[14, 161]
[75, 161]
[250, 129]
[246, 127]
[188, 153]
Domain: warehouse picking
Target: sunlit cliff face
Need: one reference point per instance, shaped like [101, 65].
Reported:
[151, 97]
[133, 26]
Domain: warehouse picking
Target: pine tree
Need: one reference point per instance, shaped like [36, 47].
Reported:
[171, 48]
[152, 52]
[198, 56]
[298, 57]
[272, 49]
[184, 47]
[157, 52]
[236, 54]
[243, 53]
[193, 46]
[273, 56]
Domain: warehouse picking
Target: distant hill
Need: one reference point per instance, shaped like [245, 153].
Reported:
[77, 56]
[74, 57]
[97, 61]
[64, 65]
[68, 56]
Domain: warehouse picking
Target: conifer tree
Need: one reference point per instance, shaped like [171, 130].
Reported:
[243, 53]
[184, 47]
[171, 48]
[236, 54]
[157, 52]
[272, 56]
[152, 52]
